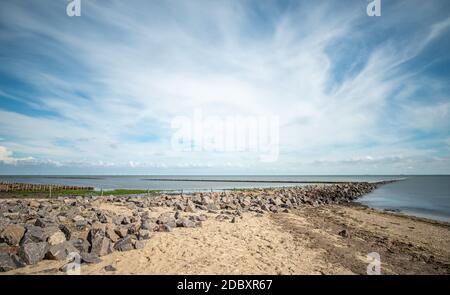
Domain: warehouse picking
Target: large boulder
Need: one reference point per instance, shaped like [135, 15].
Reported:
[168, 219]
[32, 253]
[60, 251]
[67, 232]
[111, 234]
[12, 234]
[45, 222]
[34, 234]
[81, 245]
[90, 258]
[56, 238]
[10, 261]
[100, 244]
[125, 244]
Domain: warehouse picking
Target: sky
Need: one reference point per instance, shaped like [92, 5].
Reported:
[347, 93]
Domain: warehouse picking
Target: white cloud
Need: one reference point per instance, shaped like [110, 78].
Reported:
[137, 68]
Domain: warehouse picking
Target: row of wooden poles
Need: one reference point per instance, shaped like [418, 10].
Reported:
[11, 187]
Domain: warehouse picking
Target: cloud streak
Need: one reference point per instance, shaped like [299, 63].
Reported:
[102, 89]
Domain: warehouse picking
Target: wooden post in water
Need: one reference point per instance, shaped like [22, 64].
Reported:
[50, 192]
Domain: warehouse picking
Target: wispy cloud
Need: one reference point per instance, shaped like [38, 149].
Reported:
[100, 90]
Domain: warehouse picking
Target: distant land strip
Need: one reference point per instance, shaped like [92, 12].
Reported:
[256, 181]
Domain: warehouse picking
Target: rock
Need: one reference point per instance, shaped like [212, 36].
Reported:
[117, 220]
[144, 234]
[34, 204]
[109, 268]
[111, 234]
[139, 244]
[126, 220]
[32, 253]
[164, 228]
[78, 218]
[133, 228]
[212, 207]
[100, 244]
[183, 222]
[148, 225]
[56, 238]
[67, 232]
[124, 244]
[190, 207]
[45, 222]
[81, 245]
[103, 218]
[167, 218]
[122, 232]
[34, 234]
[81, 224]
[90, 258]
[201, 218]
[60, 251]
[9, 262]
[12, 234]
[233, 220]
[222, 217]
[344, 233]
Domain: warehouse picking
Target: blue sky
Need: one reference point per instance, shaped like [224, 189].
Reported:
[96, 94]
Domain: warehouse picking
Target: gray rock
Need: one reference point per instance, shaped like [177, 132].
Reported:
[45, 222]
[32, 253]
[90, 258]
[109, 268]
[81, 224]
[164, 228]
[67, 232]
[10, 261]
[81, 245]
[34, 234]
[144, 234]
[139, 244]
[167, 218]
[100, 244]
[125, 244]
[60, 251]
[183, 222]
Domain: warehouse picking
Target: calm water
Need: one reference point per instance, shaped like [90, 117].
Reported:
[426, 196]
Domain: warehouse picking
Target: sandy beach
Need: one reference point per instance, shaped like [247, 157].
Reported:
[330, 239]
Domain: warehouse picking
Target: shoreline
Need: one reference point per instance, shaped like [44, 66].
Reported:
[245, 232]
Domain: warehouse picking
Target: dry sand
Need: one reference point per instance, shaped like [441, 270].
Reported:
[304, 241]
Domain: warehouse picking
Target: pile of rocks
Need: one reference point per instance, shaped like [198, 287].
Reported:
[55, 229]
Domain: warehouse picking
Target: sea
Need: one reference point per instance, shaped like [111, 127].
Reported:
[419, 195]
